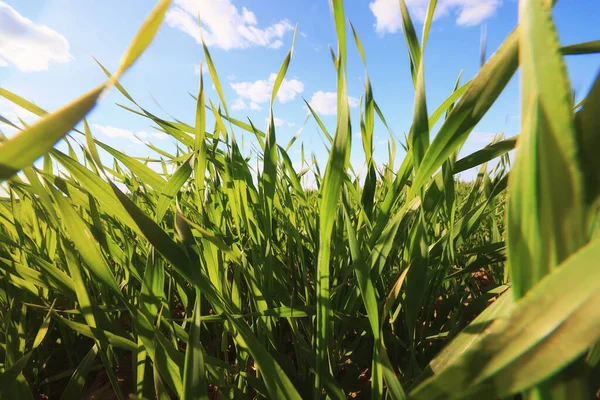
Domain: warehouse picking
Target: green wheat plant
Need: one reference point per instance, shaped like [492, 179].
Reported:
[226, 276]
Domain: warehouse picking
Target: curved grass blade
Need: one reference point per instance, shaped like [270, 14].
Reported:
[278, 384]
[418, 138]
[412, 42]
[75, 386]
[484, 155]
[367, 292]
[582, 48]
[588, 125]
[9, 375]
[427, 24]
[31, 143]
[194, 379]
[23, 103]
[448, 104]
[545, 225]
[518, 349]
[82, 237]
[481, 93]
[213, 75]
[170, 190]
[330, 192]
[143, 38]
[200, 137]
[319, 122]
[98, 188]
[145, 173]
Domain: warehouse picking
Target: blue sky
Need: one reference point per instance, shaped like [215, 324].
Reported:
[46, 50]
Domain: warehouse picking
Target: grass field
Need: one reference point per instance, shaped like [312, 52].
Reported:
[220, 278]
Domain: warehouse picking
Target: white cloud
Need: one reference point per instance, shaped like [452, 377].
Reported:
[467, 12]
[288, 89]
[7, 130]
[291, 124]
[326, 102]
[159, 135]
[158, 167]
[14, 114]
[120, 133]
[224, 25]
[474, 13]
[238, 104]
[276, 44]
[29, 46]
[260, 91]
[480, 138]
[231, 77]
[277, 121]
[387, 15]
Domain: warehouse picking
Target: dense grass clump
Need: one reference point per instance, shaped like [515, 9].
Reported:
[214, 279]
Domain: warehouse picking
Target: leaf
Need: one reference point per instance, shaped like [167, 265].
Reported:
[469, 337]
[152, 294]
[588, 124]
[146, 174]
[418, 138]
[278, 384]
[213, 75]
[544, 225]
[85, 302]
[200, 137]
[31, 143]
[367, 292]
[282, 70]
[10, 374]
[582, 48]
[519, 349]
[319, 122]
[75, 386]
[484, 155]
[143, 38]
[170, 190]
[481, 93]
[23, 103]
[330, 192]
[427, 24]
[412, 42]
[448, 104]
[194, 375]
[416, 278]
[84, 240]
[98, 188]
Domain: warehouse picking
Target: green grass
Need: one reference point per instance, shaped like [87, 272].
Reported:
[225, 280]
